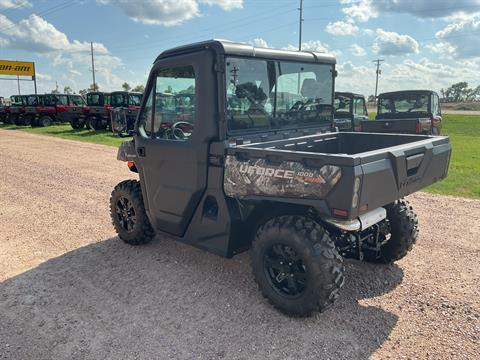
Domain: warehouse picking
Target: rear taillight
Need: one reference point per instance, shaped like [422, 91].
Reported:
[340, 212]
[418, 127]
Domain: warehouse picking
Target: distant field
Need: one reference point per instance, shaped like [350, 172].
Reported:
[464, 132]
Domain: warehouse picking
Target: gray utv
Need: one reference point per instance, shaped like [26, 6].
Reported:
[248, 161]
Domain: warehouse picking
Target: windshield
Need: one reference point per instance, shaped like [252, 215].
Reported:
[118, 100]
[77, 100]
[49, 100]
[342, 104]
[94, 99]
[272, 95]
[135, 99]
[403, 103]
[32, 100]
[18, 100]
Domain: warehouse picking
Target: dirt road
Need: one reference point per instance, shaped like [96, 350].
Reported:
[69, 289]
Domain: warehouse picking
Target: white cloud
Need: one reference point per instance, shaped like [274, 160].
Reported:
[35, 34]
[392, 43]
[259, 42]
[341, 28]
[357, 50]
[363, 10]
[314, 45]
[14, 4]
[226, 5]
[167, 12]
[409, 74]
[460, 39]
[428, 9]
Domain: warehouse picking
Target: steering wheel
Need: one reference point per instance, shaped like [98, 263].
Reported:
[178, 133]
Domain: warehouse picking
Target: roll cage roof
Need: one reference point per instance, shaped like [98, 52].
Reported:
[225, 47]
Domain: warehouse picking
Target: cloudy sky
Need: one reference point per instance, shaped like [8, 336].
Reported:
[425, 43]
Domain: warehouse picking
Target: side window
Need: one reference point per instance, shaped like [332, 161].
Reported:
[77, 100]
[145, 121]
[174, 117]
[62, 99]
[359, 107]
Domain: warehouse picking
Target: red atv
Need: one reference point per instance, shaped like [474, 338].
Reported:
[17, 108]
[98, 111]
[130, 101]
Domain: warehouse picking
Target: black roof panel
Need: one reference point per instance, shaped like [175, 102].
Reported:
[225, 47]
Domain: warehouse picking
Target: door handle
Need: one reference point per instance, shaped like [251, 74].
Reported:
[141, 151]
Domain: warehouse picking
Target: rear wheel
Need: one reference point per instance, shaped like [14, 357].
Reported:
[18, 121]
[45, 121]
[403, 234]
[77, 123]
[296, 265]
[128, 214]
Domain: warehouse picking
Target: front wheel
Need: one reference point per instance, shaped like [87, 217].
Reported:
[45, 121]
[296, 265]
[403, 234]
[128, 214]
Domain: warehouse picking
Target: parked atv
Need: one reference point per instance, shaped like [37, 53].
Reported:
[350, 111]
[237, 169]
[17, 108]
[407, 112]
[129, 102]
[31, 114]
[98, 111]
[4, 110]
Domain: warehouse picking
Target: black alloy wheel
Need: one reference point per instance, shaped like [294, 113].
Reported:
[285, 270]
[125, 213]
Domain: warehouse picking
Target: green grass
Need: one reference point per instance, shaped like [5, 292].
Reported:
[464, 173]
[66, 132]
[464, 131]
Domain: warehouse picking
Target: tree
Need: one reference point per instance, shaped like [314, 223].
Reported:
[67, 90]
[83, 92]
[94, 87]
[139, 88]
[371, 98]
[55, 91]
[126, 86]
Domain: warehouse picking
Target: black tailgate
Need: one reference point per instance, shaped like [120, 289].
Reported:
[403, 171]
[407, 126]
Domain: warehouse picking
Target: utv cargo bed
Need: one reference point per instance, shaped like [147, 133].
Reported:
[340, 174]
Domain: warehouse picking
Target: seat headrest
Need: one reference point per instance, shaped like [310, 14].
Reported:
[310, 89]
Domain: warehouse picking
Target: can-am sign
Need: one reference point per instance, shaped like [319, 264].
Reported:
[20, 68]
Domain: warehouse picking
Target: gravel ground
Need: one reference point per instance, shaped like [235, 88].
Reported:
[69, 289]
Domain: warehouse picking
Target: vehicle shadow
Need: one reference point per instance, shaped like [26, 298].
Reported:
[169, 300]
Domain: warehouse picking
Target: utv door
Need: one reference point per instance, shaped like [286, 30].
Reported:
[172, 152]
[359, 113]
[62, 107]
[75, 108]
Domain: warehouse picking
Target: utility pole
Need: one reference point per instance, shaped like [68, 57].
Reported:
[93, 67]
[378, 62]
[56, 86]
[18, 84]
[300, 26]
